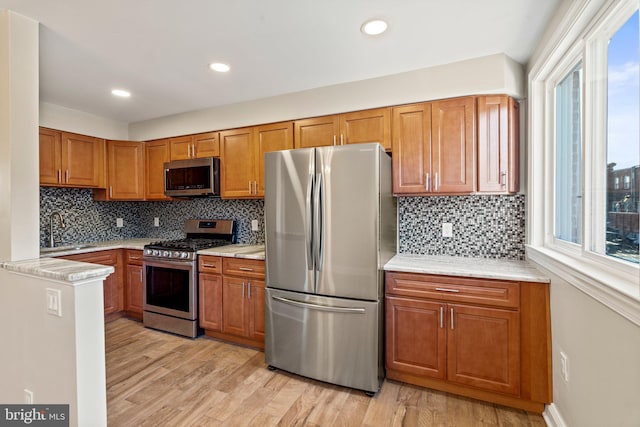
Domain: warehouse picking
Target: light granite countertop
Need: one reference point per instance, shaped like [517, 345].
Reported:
[58, 269]
[236, 251]
[233, 250]
[466, 267]
[82, 248]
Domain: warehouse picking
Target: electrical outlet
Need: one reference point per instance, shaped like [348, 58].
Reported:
[564, 366]
[28, 397]
[447, 229]
[54, 302]
[254, 225]
[156, 222]
[119, 222]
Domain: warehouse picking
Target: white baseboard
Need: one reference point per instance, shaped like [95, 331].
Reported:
[552, 416]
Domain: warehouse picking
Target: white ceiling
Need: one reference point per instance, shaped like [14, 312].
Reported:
[160, 49]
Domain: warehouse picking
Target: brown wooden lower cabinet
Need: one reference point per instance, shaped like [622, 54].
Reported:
[112, 286]
[134, 285]
[232, 299]
[498, 350]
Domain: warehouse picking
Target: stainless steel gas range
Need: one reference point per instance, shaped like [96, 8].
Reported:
[170, 275]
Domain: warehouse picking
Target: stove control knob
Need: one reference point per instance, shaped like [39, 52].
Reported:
[166, 254]
[176, 254]
[156, 252]
[184, 255]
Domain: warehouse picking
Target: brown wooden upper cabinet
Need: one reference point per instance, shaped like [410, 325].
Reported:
[125, 172]
[71, 160]
[348, 128]
[434, 147]
[242, 157]
[195, 146]
[156, 153]
[498, 143]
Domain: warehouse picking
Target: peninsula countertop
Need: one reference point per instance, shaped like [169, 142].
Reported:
[483, 268]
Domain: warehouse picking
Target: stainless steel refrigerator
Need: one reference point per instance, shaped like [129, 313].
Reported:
[330, 228]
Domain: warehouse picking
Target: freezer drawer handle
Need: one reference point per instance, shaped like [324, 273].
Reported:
[320, 307]
[245, 268]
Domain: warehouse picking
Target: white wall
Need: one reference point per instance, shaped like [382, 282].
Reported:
[603, 347]
[62, 118]
[604, 365]
[489, 74]
[60, 359]
[19, 172]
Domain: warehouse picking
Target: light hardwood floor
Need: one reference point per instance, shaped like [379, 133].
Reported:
[159, 379]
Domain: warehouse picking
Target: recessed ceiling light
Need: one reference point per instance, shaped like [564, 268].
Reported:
[373, 28]
[219, 67]
[121, 93]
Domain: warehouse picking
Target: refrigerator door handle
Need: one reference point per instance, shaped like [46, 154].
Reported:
[319, 222]
[320, 307]
[309, 222]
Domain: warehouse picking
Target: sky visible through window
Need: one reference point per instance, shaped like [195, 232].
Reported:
[623, 144]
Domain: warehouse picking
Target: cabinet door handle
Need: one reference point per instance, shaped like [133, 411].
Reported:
[188, 150]
[503, 178]
[447, 290]
[452, 328]
[341, 139]
[193, 150]
[110, 191]
[245, 269]
[255, 187]
[250, 192]
[242, 289]
[436, 182]
[441, 317]
[208, 265]
[140, 276]
[66, 176]
[59, 176]
[426, 182]
[249, 290]
[334, 140]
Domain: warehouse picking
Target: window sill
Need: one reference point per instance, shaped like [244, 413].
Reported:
[620, 294]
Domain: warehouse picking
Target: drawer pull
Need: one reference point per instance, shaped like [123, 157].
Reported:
[134, 257]
[447, 290]
[209, 265]
[245, 269]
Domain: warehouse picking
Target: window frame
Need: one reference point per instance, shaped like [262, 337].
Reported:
[582, 32]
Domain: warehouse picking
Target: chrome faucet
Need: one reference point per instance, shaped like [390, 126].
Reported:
[52, 241]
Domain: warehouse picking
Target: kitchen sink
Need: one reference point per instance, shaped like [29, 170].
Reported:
[64, 248]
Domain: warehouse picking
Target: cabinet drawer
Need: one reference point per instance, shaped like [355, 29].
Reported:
[210, 264]
[243, 267]
[133, 256]
[109, 257]
[458, 289]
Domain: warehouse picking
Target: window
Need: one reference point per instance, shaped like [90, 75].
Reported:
[568, 142]
[583, 192]
[623, 141]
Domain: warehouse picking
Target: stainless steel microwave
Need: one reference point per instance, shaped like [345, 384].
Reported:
[192, 177]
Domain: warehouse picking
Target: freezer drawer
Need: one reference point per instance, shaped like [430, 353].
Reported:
[329, 339]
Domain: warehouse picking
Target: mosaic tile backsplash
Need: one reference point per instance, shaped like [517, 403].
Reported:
[483, 226]
[89, 221]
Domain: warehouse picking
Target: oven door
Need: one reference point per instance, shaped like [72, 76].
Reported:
[170, 288]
